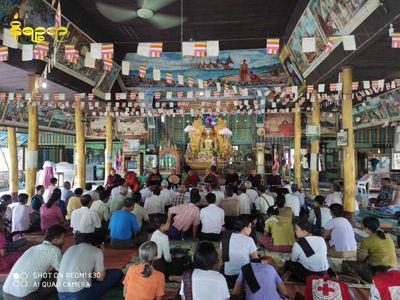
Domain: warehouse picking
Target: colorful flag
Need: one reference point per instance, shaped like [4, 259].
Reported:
[107, 64]
[328, 46]
[107, 51]
[395, 40]
[40, 50]
[156, 49]
[190, 81]
[310, 88]
[354, 86]
[57, 19]
[168, 78]
[200, 49]
[71, 54]
[149, 49]
[157, 95]
[142, 71]
[272, 46]
[3, 53]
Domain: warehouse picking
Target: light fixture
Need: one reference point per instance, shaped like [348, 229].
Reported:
[201, 93]
[44, 84]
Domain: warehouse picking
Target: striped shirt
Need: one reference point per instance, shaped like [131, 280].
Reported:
[185, 216]
[179, 199]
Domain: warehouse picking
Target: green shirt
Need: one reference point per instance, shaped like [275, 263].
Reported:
[380, 252]
[281, 229]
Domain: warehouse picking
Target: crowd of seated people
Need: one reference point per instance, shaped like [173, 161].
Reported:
[151, 216]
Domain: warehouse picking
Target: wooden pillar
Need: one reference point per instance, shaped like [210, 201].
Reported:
[109, 146]
[33, 138]
[297, 144]
[315, 146]
[13, 170]
[80, 145]
[348, 164]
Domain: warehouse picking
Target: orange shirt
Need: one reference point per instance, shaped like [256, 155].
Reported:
[140, 288]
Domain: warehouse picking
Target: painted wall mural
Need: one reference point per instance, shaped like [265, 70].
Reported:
[131, 128]
[279, 125]
[240, 67]
[40, 13]
[323, 19]
[383, 108]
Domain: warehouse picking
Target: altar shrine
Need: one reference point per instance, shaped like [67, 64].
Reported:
[209, 143]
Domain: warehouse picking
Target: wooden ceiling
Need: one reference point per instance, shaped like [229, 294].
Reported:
[237, 24]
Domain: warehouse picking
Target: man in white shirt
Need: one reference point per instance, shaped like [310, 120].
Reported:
[140, 213]
[342, 241]
[84, 220]
[66, 192]
[245, 202]
[101, 207]
[335, 196]
[295, 192]
[153, 204]
[212, 220]
[49, 191]
[146, 193]
[117, 190]
[36, 261]
[252, 194]
[286, 185]
[22, 215]
[293, 202]
[219, 195]
[166, 195]
[263, 202]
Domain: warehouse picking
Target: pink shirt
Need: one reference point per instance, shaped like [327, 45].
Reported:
[185, 216]
[50, 216]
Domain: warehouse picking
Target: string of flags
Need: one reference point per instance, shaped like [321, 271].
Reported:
[171, 103]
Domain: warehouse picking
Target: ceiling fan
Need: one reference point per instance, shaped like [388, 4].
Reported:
[148, 10]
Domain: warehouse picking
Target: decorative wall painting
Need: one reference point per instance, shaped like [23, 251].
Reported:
[391, 103]
[306, 27]
[244, 67]
[379, 164]
[279, 125]
[360, 115]
[131, 128]
[334, 17]
[375, 109]
[291, 69]
[396, 146]
[96, 127]
[342, 138]
[395, 161]
[323, 19]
